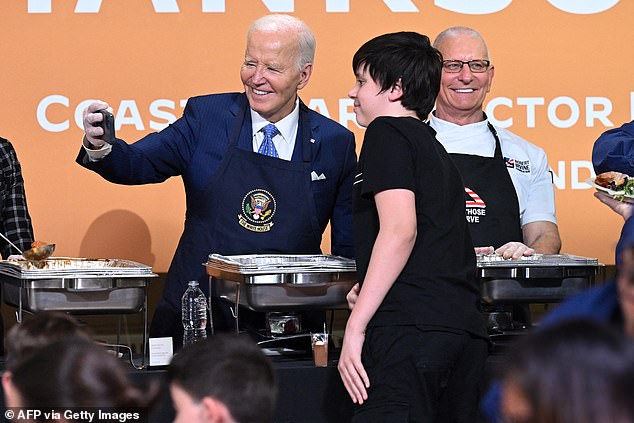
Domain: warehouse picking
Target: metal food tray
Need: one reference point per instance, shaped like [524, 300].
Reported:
[282, 282]
[488, 260]
[81, 286]
[258, 264]
[535, 279]
[72, 267]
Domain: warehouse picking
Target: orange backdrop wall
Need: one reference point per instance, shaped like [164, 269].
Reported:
[563, 76]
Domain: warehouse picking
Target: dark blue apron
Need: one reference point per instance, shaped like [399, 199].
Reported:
[255, 204]
[492, 208]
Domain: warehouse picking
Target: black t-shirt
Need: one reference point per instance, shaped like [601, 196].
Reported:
[438, 285]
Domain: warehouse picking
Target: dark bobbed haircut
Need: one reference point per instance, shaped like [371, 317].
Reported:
[230, 369]
[579, 371]
[407, 57]
[76, 372]
[42, 329]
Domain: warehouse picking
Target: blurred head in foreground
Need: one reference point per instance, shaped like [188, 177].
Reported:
[223, 379]
[76, 373]
[38, 331]
[576, 372]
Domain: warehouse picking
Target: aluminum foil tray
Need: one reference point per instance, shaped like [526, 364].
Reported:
[73, 267]
[75, 285]
[257, 264]
[283, 282]
[536, 260]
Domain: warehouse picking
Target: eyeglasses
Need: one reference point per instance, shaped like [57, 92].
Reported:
[455, 66]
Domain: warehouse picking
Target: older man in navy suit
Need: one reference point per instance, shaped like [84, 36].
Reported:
[262, 172]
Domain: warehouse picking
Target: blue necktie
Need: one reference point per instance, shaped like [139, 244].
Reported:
[267, 147]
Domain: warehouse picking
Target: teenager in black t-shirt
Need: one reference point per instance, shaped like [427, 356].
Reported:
[415, 342]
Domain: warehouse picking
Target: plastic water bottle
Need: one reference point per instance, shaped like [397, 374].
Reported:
[194, 312]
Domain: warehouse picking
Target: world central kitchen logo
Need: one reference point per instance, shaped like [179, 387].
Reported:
[472, 7]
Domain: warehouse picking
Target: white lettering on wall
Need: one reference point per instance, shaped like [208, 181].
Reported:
[597, 111]
[576, 181]
[473, 7]
[560, 112]
[157, 109]
[213, 6]
[580, 170]
[559, 176]
[401, 6]
[94, 6]
[319, 105]
[398, 6]
[337, 6]
[165, 6]
[583, 7]
[490, 111]
[127, 113]
[602, 114]
[38, 6]
[573, 112]
[41, 113]
[345, 114]
[134, 118]
[87, 6]
[530, 103]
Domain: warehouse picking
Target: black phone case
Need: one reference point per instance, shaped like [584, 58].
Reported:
[107, 123]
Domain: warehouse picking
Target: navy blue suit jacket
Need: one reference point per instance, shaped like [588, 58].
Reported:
[193, 146]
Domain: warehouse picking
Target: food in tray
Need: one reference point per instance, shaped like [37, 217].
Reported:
[616, 181]
[616, 184]
[68, 263]
[499, 257]
[39, 251]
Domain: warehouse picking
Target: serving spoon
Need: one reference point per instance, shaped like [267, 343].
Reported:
[34, 254]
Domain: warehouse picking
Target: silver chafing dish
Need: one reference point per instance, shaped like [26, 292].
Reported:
[267, 282]
[75, 285]
[541, 278]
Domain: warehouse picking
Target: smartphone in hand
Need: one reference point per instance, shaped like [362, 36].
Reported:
[107, 124]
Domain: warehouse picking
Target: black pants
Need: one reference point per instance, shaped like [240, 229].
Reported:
[422, 374]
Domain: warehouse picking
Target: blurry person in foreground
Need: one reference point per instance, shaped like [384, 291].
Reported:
[224, 379]
[579, 371]
[76, 373]
[34, 333]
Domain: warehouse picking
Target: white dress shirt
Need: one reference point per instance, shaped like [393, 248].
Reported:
[284, 141]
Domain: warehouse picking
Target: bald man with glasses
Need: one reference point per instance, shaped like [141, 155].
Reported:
[509, 194]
